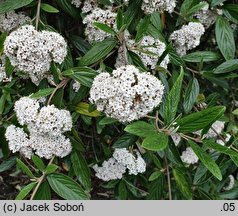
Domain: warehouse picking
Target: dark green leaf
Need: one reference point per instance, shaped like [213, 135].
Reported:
[125, 141]
[81, 169]
[25, 168]
[225, 38]
[191, 94]
[199, 120]
[38, 163]
[42, 93]
[10, 5]
[25, 191]
[227, 66]
[155, 175]
[104, 28]
[98, 52]
[66, 187]
[155, 142]
[206, 160]
[172, 100]
[120, 19]
[202, 56]
[122, 190]
[7, 164]
[48, 8]
[140, 128]
[44, 192]
[51, 168]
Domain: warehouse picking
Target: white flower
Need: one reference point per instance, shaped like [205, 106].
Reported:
[150, 6]
[26, 110]
[12, 20]
[176, 138]
[76, 86]
[188, 156]
[77, 3]
[32, 51]
[89, 5]
[102, 16]
[18, 140]
[217, 126]
[116, 166]
[231, 183]
[110, 170]
[188, 37]
[127, 95]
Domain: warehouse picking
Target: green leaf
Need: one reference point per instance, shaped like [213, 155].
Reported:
[7, 164]
[2, 39]
[48, 8]
[125, 141]
[220, 148]
[235, 112]
[191, 94]
[155, 142]
[120, 19]
[25, 169]
[83, 107]
[206, 160]
[122, 190]
[227, 66]
[199, 120]
[140, 128]
[25, 191]
[231, 12]
[225, 38]
[83, 75]
[38, 163]
[44, 192]
[66, 187]
[172, 100]
[196, 8]
[81, 169]
[42, 93]
[107, 120]
[69, 8]
[142, 28]
[51, 168]
[98, 52]
[9, 5]
[155, 175]
[156, 21]
[104, 28]
[202, 56]
[182, 183]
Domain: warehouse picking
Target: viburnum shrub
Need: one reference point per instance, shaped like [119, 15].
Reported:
[119, 99]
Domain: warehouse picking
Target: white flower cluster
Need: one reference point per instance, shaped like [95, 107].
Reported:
[188, 37]
[150, 6]
[149, 50]
[107, 17]
[205, 16]
[32, 51]
[127, 95]
[117, 165]
[188, 156]
[89, 6]
[46, 126]
[12, 20]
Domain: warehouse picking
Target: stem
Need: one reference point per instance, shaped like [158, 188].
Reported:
[168, 177]
[40, 180]
[38, 14]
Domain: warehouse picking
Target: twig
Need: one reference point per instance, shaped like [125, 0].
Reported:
[38, 14]
[168, 177]
[40, 180]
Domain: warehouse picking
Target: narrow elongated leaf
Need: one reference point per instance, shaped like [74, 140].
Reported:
[227, 66]
[105, 28]
[81, 169]
[220, 148]
[155, 142]
[206, 160]
[98, 52]
[9, 5]
[49, 8]
[66, 187]
[182, 183]
[25, 191]
[199, 120]
[25, 168]
[83, 107]
[51, 168]
[140, 128]
[38, 163]
[225, 38]
[199, 56]
[191, 94]
[42, 93]
[172, 100]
